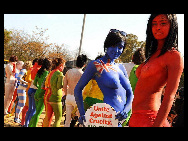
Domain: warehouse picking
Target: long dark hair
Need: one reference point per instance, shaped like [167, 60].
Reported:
[46, 64]
[171, 40]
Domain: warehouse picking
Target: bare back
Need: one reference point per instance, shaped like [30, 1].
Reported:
[71, 79]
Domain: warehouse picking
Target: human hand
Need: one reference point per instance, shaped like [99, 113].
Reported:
[121, 115]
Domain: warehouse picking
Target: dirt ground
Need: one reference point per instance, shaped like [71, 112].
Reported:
[9, 120]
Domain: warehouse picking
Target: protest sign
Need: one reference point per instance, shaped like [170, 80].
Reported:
[101, 115]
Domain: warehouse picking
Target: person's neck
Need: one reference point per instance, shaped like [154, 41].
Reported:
[160, 44]
[107, 59]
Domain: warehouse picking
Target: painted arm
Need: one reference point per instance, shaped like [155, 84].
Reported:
[123, 70]
[175, 69]
[36, 81]
[129, 94]
[85, 78]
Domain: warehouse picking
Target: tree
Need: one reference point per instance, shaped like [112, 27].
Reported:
[29, 47]
[59, 51]
[7, 39]
[132, 45]
[25, 46]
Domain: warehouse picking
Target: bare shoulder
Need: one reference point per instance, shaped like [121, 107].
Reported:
[173, 53]
[174, 57]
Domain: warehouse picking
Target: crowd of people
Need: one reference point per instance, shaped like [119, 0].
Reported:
[144, 92]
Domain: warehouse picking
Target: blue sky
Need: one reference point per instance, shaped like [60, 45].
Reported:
[66, 28]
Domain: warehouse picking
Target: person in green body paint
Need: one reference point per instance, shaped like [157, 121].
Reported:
[56, 85]
[138, 58]
[39, 95]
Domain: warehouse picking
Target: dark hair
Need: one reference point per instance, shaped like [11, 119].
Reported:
[138, 56]
[46, 64]
[81, 61]
[40, 61]
[114, 38]
[171, 40]
[56, 62]
[35, 60]
[13, 58]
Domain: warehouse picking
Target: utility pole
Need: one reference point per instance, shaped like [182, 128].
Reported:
[82, 34]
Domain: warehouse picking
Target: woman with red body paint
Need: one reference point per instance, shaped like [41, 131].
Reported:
[163, 67]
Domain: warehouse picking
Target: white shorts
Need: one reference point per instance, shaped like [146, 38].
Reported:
[70, 100]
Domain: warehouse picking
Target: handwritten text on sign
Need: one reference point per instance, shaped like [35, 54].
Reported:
[101, 115]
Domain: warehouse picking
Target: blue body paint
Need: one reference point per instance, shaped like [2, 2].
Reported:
[112, 79]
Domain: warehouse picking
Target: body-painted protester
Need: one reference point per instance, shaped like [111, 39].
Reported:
[111, 78]
[19, 65]
[21, 90]
[28, 80]
[39, 95]
[71, 78]
[10, 83]
[32, 90]
[56, 85]
[48, 108]
[163, 67]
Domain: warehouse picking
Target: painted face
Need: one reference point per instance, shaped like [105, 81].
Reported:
[160, 27]
[115, 51]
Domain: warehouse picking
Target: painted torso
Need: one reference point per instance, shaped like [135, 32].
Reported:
[152, 77]
[56, 84]
[110, 80]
